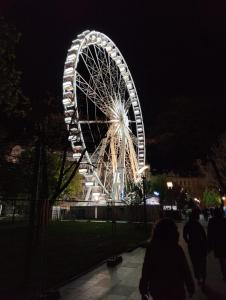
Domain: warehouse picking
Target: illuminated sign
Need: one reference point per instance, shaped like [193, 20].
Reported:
[169, 207]
[152, 201]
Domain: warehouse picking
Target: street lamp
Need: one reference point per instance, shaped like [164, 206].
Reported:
[145, 204]
[169, 184]
[170, 187]
[141, 171]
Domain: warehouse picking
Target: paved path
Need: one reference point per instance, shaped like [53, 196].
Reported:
[121, 282]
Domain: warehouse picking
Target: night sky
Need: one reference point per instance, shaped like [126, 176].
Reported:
[176, 51]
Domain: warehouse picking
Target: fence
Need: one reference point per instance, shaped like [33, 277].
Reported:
[13, 209]
[132, 213]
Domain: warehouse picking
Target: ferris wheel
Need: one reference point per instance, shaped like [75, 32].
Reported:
[103, 116]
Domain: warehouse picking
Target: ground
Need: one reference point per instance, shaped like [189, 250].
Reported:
[69, 249]
[121, 283]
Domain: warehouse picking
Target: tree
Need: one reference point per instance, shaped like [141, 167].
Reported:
[158, 183]
[213, 167]
[182, 132]
[74, 187]
[14, 106]
[134, 193]
[15, 182]
[211, 198]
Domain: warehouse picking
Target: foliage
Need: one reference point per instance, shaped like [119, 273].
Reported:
[181, 133]
[134, 193]
[158, 183]
[213, 168]
[74, 188]
[10, 91]
[14, 107]
[14, 183]
[211, 198]
[17, 177]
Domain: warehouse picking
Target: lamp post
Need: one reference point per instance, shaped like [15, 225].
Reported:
[115, 259]
[145, 206]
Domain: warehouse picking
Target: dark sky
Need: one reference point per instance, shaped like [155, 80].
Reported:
[174, 49]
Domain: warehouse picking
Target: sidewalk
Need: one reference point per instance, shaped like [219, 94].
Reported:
[121, 282]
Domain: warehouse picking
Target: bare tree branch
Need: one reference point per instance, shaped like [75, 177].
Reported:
[63, 187]
[214, 169]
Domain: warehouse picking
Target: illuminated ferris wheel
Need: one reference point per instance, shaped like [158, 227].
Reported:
[103, 116]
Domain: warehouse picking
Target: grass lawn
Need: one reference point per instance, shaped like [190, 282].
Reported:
[70, 248]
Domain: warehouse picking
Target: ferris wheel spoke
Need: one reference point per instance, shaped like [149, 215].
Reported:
[105, 165]
[96, 85]
[90, 93]
[107, 67]
[97, 70]
[105, 78]
[95, 73]
[133, 137]
[100, 151]
[94, 78]
[128, 103]
[100, 70]
[109, 71]
[131, 153]
[129, 174]
[85, 87]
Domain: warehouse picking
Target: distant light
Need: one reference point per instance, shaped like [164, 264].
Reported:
[152, 201]
[89, 183]
[197, 200]
[169, 184]
[82, 171]
[96, 194]
[169, 207]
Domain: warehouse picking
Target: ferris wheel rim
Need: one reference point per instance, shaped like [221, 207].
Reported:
[85, 40]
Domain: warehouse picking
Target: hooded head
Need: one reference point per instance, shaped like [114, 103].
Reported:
[195, 214]
[166, 230]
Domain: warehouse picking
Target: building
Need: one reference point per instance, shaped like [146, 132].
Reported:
[194, 186]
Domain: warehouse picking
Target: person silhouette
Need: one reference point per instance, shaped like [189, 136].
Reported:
[195, 237]
[165, 270]
[216, 239]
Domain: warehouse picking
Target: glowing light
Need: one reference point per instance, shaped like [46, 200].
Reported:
[82, 171]
[169, 184]
[96, 194]
[197, 200]
[135, 103]
[71, 58]
[156, 193]
[76, 155]
[89, 183]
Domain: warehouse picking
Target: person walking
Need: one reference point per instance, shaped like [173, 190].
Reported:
[195, 237]
[165, 270]
[216, 239]
[206, 214]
